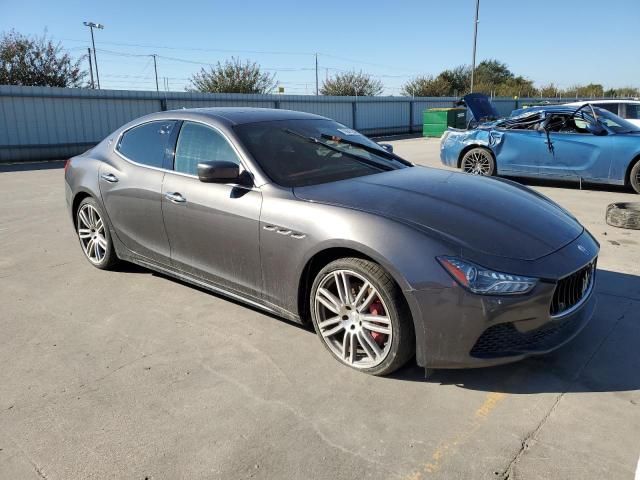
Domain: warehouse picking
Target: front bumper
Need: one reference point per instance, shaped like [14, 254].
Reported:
[458, 329]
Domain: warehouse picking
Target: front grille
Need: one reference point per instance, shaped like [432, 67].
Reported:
[571, 290]
[505, 340]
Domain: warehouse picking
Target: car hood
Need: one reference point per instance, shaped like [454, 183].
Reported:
[481, 107]
[485, 215]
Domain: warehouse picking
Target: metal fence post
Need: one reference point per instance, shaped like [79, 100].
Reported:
[411, 107]
[354, 113]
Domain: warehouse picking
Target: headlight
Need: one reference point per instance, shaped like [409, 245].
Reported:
[477, 279]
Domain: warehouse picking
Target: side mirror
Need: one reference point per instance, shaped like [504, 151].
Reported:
[218, 172]
[596, 129]
[387, 146]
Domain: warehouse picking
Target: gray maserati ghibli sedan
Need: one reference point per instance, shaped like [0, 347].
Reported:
[303, 217]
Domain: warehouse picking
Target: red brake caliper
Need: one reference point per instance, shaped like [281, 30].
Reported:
[376, 308]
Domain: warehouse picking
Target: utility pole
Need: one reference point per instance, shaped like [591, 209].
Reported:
[475, 40]
[91, 68]
[316, 74]
[91, 26]
[155, 69]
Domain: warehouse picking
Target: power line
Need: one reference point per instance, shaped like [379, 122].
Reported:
[200, 62]
[201, 49]
[261, 52]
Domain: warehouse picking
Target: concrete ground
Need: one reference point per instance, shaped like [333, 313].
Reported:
[130, 374]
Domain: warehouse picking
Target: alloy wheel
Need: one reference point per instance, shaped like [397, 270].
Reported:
[477, 162]
[92, 234]
[352, 319]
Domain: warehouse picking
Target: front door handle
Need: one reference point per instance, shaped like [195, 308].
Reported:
[109, 177]
[175, 197]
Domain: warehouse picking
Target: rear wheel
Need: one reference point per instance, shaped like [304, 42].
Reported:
[634, 177]
[94, 235]
[360, 316]
[478, 161]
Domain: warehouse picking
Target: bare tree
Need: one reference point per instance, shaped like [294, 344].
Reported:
[233, 76]
[37, 61]
[351, 84]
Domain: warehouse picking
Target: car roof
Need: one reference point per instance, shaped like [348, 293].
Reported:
[568, 109]
[596, 102]
[240, 115]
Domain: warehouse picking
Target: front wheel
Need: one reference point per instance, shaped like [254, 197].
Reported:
[361, 317]
[478, 161]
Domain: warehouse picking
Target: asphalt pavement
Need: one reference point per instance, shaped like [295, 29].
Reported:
[130, 374]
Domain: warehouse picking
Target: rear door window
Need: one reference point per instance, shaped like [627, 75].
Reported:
[148, 144]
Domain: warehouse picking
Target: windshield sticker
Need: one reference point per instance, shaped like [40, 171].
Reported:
[348, 131]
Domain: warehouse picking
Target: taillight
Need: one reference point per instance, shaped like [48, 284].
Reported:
[66, 165]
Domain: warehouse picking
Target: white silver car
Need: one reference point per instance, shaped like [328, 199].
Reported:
[627, 109]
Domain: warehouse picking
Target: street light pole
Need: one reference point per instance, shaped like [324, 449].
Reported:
[316, 74]
[93, 85]
[91, 26]
[475, 40]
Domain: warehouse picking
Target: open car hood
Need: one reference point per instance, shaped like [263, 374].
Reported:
[481, 107]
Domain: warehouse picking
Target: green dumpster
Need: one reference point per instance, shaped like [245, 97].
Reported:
[436, 120]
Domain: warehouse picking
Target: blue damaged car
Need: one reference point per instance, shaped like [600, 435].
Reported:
[558, 142]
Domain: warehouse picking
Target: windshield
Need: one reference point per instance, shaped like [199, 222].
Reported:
[295, 153]
[610, 120]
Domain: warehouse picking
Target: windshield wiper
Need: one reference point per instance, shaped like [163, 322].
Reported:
[376, 151]
[358, 158]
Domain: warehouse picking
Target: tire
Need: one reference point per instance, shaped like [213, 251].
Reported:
[478, 161]
[624, 215]
[94, 236]
[634, 177]
[356, 319]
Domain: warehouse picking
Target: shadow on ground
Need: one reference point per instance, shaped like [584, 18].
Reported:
[29, 166]
[602, 358]
[572, 185]
[127, 267]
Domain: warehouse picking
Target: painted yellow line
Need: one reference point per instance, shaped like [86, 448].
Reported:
[491, 401]
[489, 404]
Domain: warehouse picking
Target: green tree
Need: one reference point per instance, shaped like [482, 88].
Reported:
[233, 76]
[493, 73]
[37, 61]
[590, 90]
[458, 78]
[351, 84]
[549, 90]
[622, 92]
[426, 86]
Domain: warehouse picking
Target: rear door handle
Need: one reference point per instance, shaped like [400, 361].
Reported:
[175, 197]
[109, 177]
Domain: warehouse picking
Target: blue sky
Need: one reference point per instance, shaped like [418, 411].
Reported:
[560, 41]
